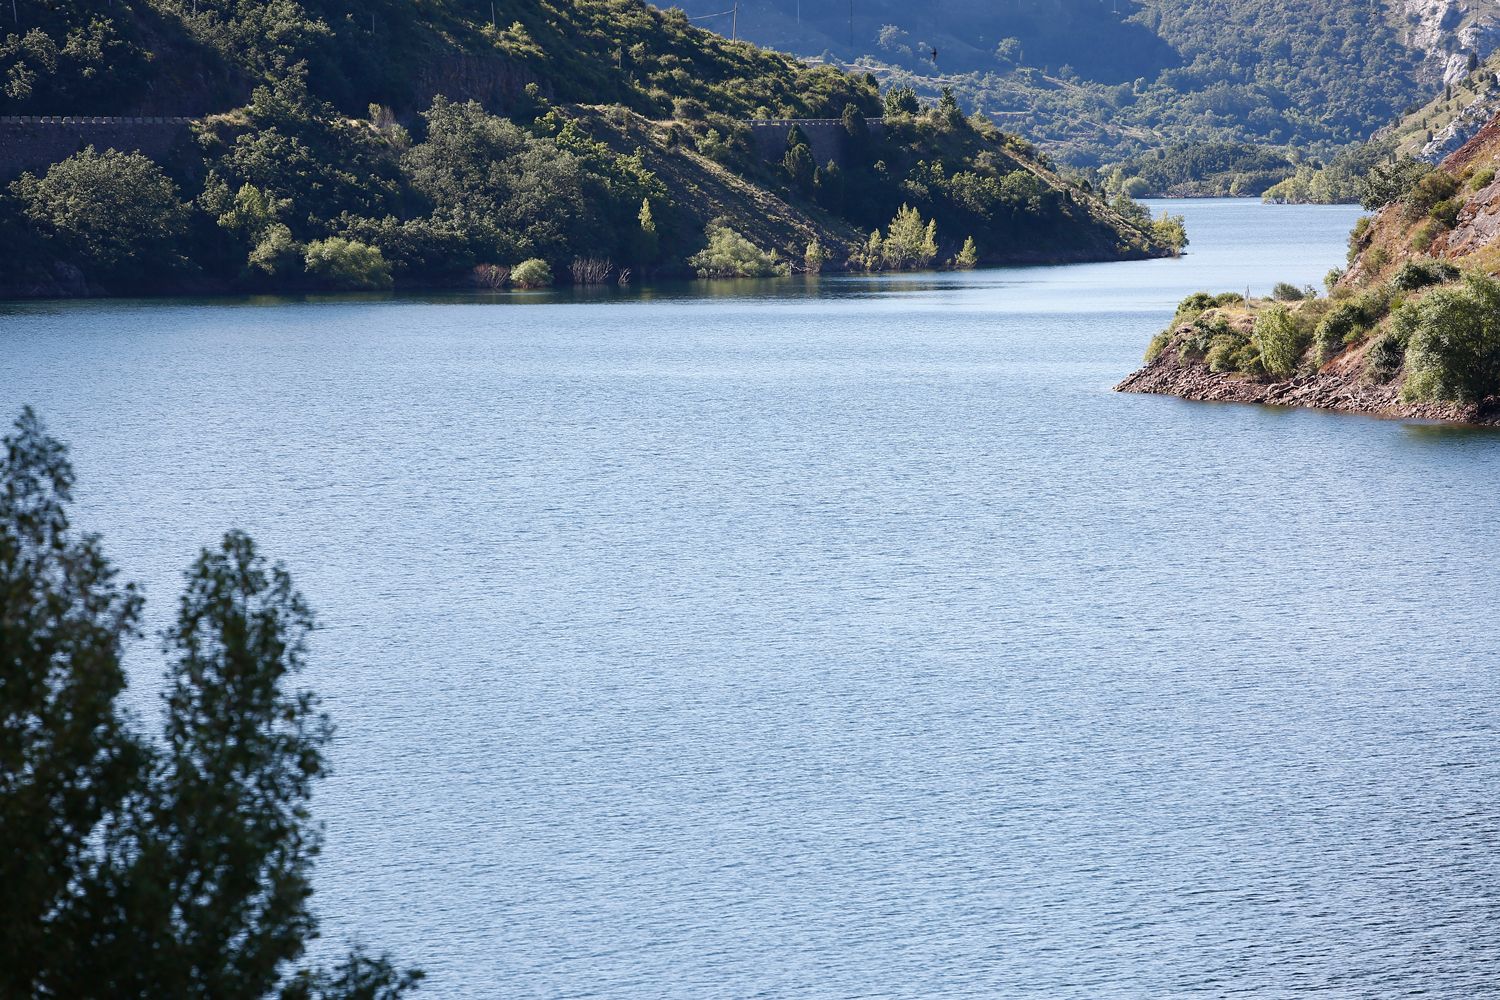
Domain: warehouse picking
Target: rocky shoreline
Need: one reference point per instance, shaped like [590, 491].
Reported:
[1338, 386]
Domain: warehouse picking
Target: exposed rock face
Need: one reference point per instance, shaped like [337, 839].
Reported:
[1446, 33]
[1451, 137]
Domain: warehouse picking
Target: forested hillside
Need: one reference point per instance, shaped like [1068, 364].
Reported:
[352, 146]
[1106, 85]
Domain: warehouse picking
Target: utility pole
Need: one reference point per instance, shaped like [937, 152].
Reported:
[851, 30]
[734, 25]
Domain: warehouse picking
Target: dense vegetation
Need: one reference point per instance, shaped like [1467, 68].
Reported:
[1238, 91]
[603, 138]
[169, 866]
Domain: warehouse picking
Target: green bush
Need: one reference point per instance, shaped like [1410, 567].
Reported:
[1158, 344]
[1287, 292]
[1384, 361]
[1281, 341]
[533, 273]
[347, 265]
[731, 255]
[1454, 348]
[1482, 179]
[1429, 192]
[1336, 329]
[1421, 273]
[1359, 235]
[1445, 213]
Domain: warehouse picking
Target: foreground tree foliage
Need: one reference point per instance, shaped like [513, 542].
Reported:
[174, 867]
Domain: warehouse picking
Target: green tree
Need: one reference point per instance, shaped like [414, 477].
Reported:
[855, 126]
[1388, 182]
[902, 101]
[174, 868]
[1281, 340]
[910, 242]
[799, 165]
[968, 257]
[647, 243]
[948, 109]
[114, 213]
[67, 760]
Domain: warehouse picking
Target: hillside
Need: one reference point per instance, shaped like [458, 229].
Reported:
[1191, 97]
[344, 146]
[1427, 133]
[1411, 328]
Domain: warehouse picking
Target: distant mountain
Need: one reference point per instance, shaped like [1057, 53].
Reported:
[1101, 88]
[1099, 37]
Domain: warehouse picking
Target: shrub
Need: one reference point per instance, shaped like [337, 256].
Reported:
[1423, 236]
[1287, 292]
[1157, 345]
[347, 264]
[1228, 299]
[533, 273]
[1336, 328]
[1359, 237]
[1432, 190]
[1482, 179]
[1192, 307]
[730, 255]
[1222, 351]
[1420, 273]
[1445, 213]
[491, 275]
[1454, 349]
[814, 257]
[1281, 340]
[1386, 356]
[590, 270]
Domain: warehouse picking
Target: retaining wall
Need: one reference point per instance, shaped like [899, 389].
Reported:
[34, 142]
[826, 136]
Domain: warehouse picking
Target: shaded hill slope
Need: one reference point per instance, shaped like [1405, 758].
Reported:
[416, 144]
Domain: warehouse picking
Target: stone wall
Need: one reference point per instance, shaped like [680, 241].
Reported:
[826, 136]
[35, 143]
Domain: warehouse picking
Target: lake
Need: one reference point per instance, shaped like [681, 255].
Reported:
[842, 637]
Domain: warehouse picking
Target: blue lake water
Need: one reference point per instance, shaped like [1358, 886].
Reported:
[838, 638]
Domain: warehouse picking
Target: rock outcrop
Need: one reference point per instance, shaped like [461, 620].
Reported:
[1340, 385]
